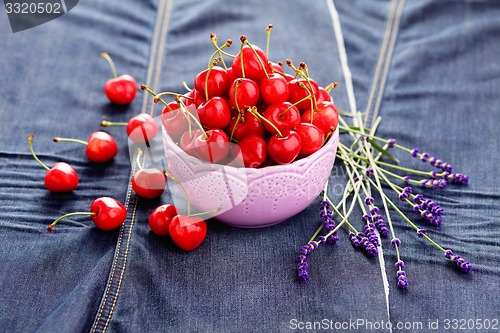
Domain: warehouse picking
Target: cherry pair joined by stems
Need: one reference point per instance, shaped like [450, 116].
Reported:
[121, 89]
[101, 147]
[107, 214]
[61, 177]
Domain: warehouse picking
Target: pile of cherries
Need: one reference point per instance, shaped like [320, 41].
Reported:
[252, 110]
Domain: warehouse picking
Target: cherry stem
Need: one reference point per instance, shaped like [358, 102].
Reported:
[234, 127]
[105, 123]
[189, 116]
[254, 111]
[295, 104]
[184, 84]
[58, 139]
[138, 158]
[243, 38]
[219, 49]
[171, 176]
[30, 144]
[331, 86]
[209, 212]
[110, 62]
[269, 28]
[257, 56]
[145, 87]
[236, 86]
[53, 224]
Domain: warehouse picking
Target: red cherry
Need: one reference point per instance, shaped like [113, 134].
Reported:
[142, 128]
[149, 183]
[101, 147]
[247, 124]
[244, 93]
[275, 68]
[120, 89]
[284, 149]
[216, 84]
[107, 214]
[230, 74]
[174, 122]
[311, 138]
[214, 113]
[186, 142]
[283, 115]
[61, 177]
[160, 218]
[273, 89]
[324, 95]
[300, 89]
[252, 65]
[213, 146]
[325, 117]
[187, 232]
[253, 150]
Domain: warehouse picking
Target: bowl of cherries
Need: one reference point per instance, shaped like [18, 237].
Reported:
[250, 143]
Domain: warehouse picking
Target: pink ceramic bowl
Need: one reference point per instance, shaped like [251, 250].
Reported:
[246, 197]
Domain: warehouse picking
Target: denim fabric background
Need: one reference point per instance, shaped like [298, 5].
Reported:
[440, 95]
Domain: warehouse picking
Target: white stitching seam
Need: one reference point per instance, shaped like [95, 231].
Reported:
[155, 63]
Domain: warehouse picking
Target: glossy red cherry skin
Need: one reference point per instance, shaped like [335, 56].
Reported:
[217, 85]
[187, 232]
[251, 64]
[186, 142]
[311, 138]
[273, 89]
[159, 220]
[285, 149]
[283, 115]
[214, 147]
[109, 213]
[121, 90]
[149, 183]
[61, 178]
[325, 117]
[142, 128]
[174, 122]
[244, 93]
[248, 124]
[252, 149]
[214, 113]
[101, 147]
[301, 88]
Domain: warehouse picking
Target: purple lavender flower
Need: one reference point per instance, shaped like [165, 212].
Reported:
[428, 210]
[414, 152]
[405, 193]
[369, 172]
[457, 178]
[371, 235]
[435, 162]
[391, 143]
[433, 183]
[402, 279]
[458, 261]
[421, 232]
[381, 225]
[400, 264]
[369, 200]
[303, 268]
[354, 239]
[368, 246]
[395, 242]
[328, 222]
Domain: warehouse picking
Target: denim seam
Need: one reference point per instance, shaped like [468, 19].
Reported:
[383, 62]
[113, 286]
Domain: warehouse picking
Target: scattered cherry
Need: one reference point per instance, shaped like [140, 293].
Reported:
[107, 214]
[187, 232]
[61, 177]
[148, 182]
[101, 147]
[160, 218]
[120, 89]
[140, 128]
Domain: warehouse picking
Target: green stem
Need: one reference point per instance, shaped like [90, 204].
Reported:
[30, 144]
[53, 224]
[106, 123]
[110, 62]
[58, 139]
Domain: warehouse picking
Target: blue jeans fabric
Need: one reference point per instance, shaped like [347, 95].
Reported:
[438, 92]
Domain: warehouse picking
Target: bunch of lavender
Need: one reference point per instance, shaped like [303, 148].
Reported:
[369, 178]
